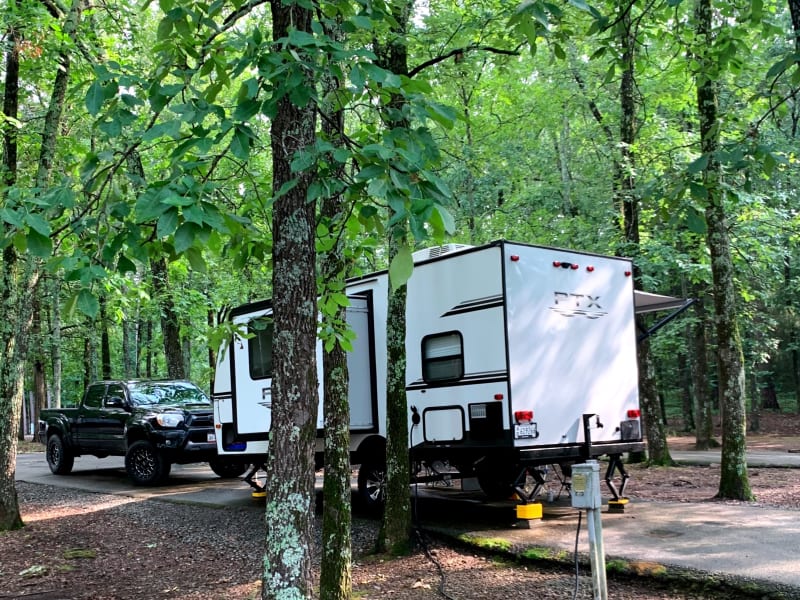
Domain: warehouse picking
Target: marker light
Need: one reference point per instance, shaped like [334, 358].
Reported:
[590, 268]
[573, 266]
[514, 258]
[498, 396]
[634, 413]
[627, 273]
[521, 416]
[556, 263]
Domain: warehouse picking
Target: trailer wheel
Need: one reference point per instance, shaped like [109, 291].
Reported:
[59, 459]
[145, 466]
[372, 485]
[497, 481]
[227, 469]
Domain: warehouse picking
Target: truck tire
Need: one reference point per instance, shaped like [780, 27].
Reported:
[59, 459]
[497, 480]
[227, 469]
[145, 466]
[372, 485]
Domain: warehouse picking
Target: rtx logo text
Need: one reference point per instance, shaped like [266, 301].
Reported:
[577, 305]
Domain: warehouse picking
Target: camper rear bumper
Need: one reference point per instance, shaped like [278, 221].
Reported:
[571, 453]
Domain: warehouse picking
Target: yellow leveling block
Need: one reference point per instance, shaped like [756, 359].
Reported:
[529, 511]
[617, 505]
[259, 494]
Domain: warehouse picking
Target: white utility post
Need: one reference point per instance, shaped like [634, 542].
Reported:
[585, 492]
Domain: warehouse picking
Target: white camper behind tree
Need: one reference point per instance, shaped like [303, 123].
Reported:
[518, 356]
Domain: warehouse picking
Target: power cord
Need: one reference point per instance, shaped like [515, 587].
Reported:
[577, 564]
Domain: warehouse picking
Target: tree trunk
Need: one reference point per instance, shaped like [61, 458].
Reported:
[335, 573]
[627, 198]
[55, 347]
[170, 329]
[395, 535]
[396, 528]
[290, 464]
[105, 340]
[734, 481]
[19, 275]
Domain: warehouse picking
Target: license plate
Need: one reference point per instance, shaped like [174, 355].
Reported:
[526, 430]
[211, 438]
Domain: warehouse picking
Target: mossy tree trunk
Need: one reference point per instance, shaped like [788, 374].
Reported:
[19, 274]
[290, 465]
[395, 535]
[335, 573]
[734, 481]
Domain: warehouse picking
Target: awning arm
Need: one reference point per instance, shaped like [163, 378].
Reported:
[659, 324]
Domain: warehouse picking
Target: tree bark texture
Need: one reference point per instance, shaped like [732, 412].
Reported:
[396, 527]
[734, 481]
[627, 199]
[170, 329]
[395, 535]
[290, 464]
[335, 572]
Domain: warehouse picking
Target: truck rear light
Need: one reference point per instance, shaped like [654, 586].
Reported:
[634, 413]
[523, 416]
[498, 396]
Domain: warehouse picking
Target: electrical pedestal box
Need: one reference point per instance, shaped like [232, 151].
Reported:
[585, 491]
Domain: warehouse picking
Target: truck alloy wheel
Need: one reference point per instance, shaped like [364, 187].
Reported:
[145, 466]
[59, 459]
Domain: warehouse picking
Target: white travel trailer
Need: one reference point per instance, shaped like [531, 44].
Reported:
[518, 356]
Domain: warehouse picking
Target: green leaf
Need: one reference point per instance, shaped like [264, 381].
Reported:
[87, 303]
[695, 222]
[196, 260]
[370, 172]
[184, 237]
[125, 265]
[167, 223]
[698, 165]
[38, 223]
[38, 244]
[698, 191]
[401, 268]
[95, 97]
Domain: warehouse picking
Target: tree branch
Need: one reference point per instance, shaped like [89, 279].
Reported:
[460, 51]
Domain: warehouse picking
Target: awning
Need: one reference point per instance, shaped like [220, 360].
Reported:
[645, 302]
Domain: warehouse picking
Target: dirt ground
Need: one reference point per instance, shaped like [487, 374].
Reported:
[77, 545]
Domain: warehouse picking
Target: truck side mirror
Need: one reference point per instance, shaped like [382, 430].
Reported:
[115, 402]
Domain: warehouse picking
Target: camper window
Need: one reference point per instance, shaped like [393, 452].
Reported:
[442, 357]
[260, 348]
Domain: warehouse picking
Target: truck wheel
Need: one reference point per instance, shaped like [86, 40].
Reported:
[144, 465]
[372, 485]
[227, 469]
[59, 459]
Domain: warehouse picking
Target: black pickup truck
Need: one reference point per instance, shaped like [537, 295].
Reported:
[153, 424]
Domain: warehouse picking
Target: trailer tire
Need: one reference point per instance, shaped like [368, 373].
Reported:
[372, 485]
[59, 458]
[227, 469]
[145, 465]
[497, 481]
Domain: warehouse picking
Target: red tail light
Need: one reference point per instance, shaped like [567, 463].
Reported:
[523, 416]
[634, 413]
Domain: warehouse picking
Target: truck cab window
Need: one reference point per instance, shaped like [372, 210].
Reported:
[114, 391]
[442, 357]
[260, 348]
[94, 396]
